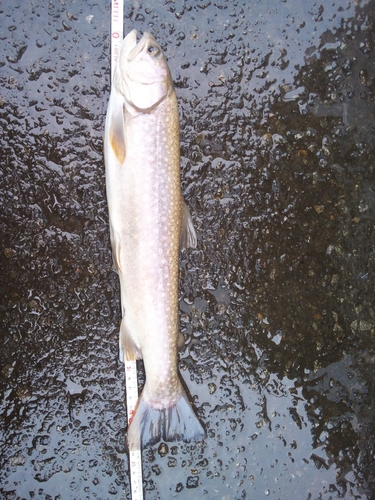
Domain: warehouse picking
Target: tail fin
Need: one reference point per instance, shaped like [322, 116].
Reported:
[174, 423]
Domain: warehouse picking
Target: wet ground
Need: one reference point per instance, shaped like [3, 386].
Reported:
[277, 302]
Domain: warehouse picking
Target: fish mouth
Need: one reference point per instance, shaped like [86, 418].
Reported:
[130, 41]
[144, 71]
[133, 48]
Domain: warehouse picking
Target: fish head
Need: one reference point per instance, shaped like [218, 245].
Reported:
[143, 75]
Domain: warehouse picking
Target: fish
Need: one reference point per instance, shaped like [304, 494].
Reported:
[149, 224]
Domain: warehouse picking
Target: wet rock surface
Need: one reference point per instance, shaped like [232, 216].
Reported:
[277, 302]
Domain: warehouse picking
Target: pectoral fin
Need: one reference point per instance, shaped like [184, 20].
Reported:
[188, 237]
[117, 133]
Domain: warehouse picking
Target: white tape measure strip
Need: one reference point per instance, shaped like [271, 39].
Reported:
[135, 457]
[117, 31]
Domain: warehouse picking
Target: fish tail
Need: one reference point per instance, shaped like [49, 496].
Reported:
[150, 425]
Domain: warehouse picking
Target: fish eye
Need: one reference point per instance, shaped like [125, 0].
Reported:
[152, 50]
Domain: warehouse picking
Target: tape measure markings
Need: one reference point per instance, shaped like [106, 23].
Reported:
[135, 457]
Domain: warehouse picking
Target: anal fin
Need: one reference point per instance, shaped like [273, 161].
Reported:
[116, 249]
[188, 237]
[128, 349]
[180, 341]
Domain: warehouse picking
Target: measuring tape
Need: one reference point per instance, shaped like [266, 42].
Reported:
[135, 458]
[117, 31]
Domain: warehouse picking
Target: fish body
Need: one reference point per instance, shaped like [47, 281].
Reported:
[149, 223]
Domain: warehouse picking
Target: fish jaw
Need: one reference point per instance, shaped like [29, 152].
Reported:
[142, 75]
[129, 42]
